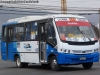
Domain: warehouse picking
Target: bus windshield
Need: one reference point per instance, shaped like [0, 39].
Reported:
[75, 30]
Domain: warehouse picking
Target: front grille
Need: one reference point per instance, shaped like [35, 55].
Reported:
[82, 51]
[76, 51]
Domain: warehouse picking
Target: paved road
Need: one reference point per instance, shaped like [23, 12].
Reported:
[9, 68]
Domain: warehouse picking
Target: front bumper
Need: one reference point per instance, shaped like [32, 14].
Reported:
[75, 58]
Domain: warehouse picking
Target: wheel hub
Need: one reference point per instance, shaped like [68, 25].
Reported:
[54, 64]
[18, 62]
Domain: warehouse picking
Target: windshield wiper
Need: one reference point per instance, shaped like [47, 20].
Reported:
[84, 34]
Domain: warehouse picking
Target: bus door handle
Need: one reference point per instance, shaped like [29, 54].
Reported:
[43, 45]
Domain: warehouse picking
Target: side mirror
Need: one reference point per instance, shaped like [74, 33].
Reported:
[50, 38]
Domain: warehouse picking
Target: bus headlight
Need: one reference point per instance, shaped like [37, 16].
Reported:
[66, 51]
[96, 50]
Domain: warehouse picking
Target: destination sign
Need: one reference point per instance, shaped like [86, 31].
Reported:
[71, 22]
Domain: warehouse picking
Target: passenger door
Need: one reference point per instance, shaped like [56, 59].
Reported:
[42, 42]
[3, 43]
[9, 44]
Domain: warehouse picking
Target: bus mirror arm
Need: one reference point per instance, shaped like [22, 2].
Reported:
[56, 47]
[50, 38]
[46, 26]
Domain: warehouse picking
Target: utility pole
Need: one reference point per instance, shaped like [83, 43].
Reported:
[99, 24]
[63, 7]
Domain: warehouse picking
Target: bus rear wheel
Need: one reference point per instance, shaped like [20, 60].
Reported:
[87, 65]
[19, 64]
[54, 65]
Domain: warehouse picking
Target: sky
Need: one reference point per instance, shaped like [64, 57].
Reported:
[70, 3]
[94, 18]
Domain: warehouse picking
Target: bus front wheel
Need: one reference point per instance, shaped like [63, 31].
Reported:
[19, 64]
[87, 65]
[54, 65]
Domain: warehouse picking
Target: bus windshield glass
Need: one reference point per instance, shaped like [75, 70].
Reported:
[75, 29]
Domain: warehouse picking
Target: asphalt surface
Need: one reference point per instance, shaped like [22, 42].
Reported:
[9, 68]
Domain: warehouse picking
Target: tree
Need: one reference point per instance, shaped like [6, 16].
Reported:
[97, 31]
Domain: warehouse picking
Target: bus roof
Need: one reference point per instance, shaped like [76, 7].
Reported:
[35, 18]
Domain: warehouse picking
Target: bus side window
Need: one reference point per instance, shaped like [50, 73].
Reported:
[51, 36]
[9, 33]
[34, 31]
[18, 32]
[31, 31]
[4, 33]
[27, 31]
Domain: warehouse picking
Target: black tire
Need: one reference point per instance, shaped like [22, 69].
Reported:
[54, 65]
[87, 65]
[20, 64]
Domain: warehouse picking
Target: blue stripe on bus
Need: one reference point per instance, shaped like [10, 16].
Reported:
[10, 23]
[75, 59]
[12, 50]
[50, 50]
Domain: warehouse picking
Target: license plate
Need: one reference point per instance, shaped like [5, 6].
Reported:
[82, 58]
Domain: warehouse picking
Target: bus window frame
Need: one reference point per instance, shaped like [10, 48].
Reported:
[3, 33]
[24, 32]
[51, 41]
[15, 25]
[8, 34]
[24, 23]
